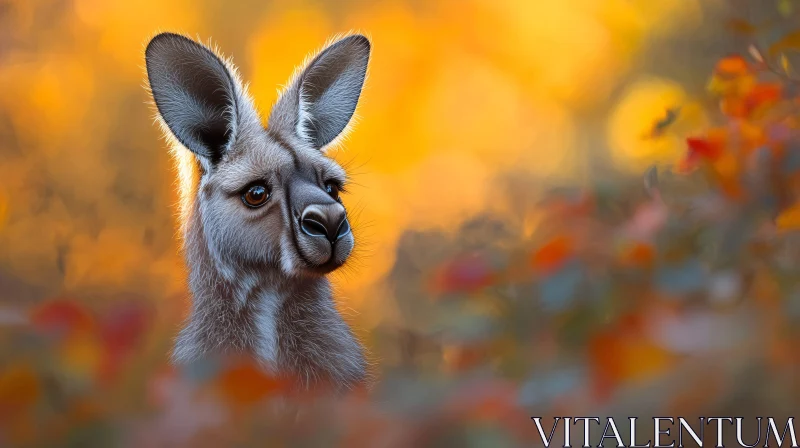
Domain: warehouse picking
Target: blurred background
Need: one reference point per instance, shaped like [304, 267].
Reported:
[535, 233]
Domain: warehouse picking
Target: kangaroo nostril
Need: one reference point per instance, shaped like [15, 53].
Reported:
[328, 223]
[313, 227]
[344, 229]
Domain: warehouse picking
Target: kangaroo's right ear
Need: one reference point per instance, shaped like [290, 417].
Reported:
[321, 101]
[195, 94]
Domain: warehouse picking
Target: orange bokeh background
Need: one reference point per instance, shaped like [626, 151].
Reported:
[457, 92]
[472, 110]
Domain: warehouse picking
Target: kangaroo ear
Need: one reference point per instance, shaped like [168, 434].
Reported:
[322, 100]
[194, 92]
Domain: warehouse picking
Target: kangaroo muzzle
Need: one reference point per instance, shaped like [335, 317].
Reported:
[325, 221]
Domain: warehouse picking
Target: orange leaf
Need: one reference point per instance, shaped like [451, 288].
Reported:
[740, 26]
[790, 41]
[789, 219]
[718, 135]
[371, 431]
[753, 136]
[638, 254]
[642, 359]
[733, 189]
[726, 165]
[685, 166]
[552, 254]
[622, 354]
[732, 65]
[19, 388]
[81, 355]
[603, 352]
[487, 401]
[3, 209]
[781, 353]
[762, 94]
[245, 384]
[726, 171]
[732, 86]
[733, 107]
[463, 357]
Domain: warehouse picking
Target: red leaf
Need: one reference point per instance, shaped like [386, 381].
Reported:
[603, 352]
[552, 254]
[761, 94]
[62, 317]
[464, 274]
[121, 331]
[703, 148]
[123, 327]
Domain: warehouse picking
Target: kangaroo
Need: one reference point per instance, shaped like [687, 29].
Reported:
[262, 218]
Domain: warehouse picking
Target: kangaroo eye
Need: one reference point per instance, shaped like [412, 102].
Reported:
[332, 189]
[256, 195]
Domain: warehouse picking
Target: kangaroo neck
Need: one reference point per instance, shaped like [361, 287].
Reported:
[236, 310]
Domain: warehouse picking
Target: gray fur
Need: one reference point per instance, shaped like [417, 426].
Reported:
[257, 281]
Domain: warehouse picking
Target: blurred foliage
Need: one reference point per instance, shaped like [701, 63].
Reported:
[494, 292]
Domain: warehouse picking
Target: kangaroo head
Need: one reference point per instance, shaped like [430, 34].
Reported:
[264, 195]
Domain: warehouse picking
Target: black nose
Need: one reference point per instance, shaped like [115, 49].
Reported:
[329, 221]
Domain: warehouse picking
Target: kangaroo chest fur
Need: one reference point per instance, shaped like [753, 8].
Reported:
[290, 325]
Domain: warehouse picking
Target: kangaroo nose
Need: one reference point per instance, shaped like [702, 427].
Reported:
[328, 221]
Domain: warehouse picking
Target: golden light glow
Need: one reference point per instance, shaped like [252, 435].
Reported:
[458, 91]
[645, 103]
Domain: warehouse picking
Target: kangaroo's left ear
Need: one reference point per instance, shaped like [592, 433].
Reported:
[195, 93]
[320, 103]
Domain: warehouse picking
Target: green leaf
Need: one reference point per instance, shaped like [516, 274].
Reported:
[785, 7]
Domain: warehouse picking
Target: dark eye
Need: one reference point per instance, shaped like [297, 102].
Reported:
[332, 189]
[256, 195]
